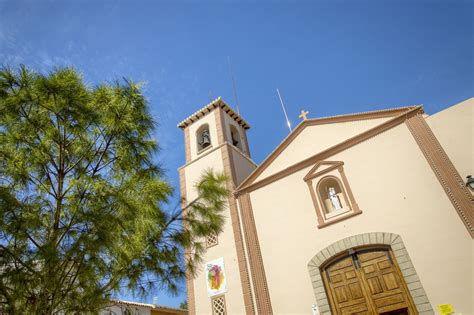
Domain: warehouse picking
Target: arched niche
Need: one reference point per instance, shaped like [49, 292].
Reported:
[203, 138]
[235, 137]
[332, 196]
[331, 193]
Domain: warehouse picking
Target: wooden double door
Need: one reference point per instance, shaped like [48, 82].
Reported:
[367, 281]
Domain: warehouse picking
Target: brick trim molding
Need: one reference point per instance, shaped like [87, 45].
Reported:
[402, 257]
[237, 233]
[262, 296]
[444, 170]
[189, 276]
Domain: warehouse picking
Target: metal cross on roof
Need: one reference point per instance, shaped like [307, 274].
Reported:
[303, 115]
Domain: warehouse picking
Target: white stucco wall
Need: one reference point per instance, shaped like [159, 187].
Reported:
[397, 192]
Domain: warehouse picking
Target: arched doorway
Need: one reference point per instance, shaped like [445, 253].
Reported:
[383, 252]
[366, 280]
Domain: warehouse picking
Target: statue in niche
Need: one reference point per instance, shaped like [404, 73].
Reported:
[205, 139]
[334, 198]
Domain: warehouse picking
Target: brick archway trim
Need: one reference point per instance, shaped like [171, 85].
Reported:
[395, 241]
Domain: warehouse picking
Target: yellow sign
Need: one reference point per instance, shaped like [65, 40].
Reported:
[445, 309]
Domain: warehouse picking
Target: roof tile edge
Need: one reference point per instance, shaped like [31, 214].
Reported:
[218, 102]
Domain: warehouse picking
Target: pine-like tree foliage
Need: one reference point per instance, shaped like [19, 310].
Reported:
[81, 200]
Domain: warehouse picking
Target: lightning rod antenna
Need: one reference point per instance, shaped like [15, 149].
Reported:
[284, 111]
[233, 85]
[210, 96]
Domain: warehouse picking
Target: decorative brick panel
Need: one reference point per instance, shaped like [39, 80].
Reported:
[212, 240]
[218, 305]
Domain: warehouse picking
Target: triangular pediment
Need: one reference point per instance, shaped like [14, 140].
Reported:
[321, 168]
[314, 137]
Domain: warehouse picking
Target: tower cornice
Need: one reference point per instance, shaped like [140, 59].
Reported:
[218, 102]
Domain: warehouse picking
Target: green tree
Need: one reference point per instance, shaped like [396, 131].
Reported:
[81, 200]
[184, 305]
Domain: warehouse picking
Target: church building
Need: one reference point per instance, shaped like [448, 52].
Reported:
[364, 213]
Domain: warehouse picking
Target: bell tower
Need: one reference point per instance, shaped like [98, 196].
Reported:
[215, 137]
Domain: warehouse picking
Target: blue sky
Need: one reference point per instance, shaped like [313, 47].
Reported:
[327, 57]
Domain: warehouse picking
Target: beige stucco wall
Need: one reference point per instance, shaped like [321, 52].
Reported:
[317, 138]
[212, 158]
[453, 128]
[397, 192]
[226, 247]
[243, 165]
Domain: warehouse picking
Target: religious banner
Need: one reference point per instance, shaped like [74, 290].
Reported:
[215, 276]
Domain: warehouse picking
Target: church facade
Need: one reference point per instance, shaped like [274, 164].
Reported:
[366, 213]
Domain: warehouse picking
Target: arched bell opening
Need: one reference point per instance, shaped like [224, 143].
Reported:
[203, 138]
[235, 137]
